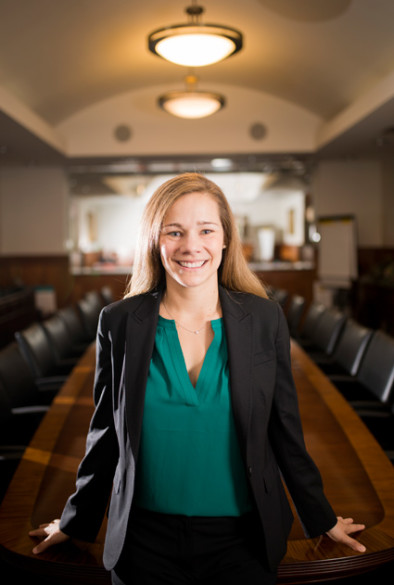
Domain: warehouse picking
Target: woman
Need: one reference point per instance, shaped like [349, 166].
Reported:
[196, 415]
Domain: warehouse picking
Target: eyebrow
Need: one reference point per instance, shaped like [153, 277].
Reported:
[179, 225]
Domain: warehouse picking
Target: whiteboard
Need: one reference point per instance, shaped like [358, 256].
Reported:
[337, 260]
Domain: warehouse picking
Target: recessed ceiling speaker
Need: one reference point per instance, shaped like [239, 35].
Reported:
[258, 131]
[122, 133]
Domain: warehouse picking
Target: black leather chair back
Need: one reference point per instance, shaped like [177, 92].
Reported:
[281, 296]
[59, 337]
[328, 329]
[351, 346]
[294, 314]
[312, 317]
[89, 310]
[71, 317]
[35, 347]
[17, 378]
[376, 371]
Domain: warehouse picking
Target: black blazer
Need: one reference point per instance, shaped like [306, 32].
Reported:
[265, 409]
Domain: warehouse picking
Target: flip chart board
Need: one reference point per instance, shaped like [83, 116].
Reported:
[337, 250]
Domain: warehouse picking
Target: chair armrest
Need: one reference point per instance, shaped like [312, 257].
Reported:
[36, 409]
[373, 413]
[346, 379]
[50, 383]
[390, 455]
[371, 405]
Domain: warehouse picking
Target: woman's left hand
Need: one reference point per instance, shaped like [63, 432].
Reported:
[340, 533]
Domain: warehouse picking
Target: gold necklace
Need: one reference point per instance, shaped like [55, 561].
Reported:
[195, 331]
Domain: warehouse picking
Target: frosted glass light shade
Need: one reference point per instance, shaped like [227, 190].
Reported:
[191, 104]
[195, 45]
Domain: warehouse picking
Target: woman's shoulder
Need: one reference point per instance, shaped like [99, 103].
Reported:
[130, 304]
[251, 301]
[242, 303]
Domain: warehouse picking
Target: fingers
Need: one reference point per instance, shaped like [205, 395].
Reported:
[350, 526]
[341, 531]
[42, 546]
[51, 534]
[45, 529]
[51, 540]
[356, 528]
[40, 531]
[355, 545]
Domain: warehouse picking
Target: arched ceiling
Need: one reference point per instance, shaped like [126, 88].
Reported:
[58, 57]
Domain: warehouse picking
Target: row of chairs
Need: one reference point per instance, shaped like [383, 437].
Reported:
[358, 360]
[34, 367]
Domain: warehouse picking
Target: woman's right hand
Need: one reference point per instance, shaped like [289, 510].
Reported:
[51, 534]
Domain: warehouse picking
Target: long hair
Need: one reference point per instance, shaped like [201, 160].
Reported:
[148, 272]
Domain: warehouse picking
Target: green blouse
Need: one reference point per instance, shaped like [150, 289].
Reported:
[189, 462]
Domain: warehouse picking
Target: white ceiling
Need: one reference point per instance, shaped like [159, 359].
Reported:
[60, 56]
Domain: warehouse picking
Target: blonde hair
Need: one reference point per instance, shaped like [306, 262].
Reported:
[148, 272]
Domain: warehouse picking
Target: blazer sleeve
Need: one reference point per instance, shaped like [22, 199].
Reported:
[299, 472]
[85, 509]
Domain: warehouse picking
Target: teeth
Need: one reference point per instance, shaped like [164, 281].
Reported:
[192, 264]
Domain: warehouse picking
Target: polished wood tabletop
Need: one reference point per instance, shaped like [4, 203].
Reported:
[358, 479]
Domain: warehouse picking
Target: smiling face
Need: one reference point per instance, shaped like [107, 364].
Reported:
[192, 241]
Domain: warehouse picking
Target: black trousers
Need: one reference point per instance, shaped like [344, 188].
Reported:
[164, 549]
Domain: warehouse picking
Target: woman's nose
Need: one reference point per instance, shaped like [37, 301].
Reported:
[191, 243]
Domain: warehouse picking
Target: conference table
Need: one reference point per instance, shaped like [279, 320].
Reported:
[358, 479]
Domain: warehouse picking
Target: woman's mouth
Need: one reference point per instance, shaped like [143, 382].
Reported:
[185, 264]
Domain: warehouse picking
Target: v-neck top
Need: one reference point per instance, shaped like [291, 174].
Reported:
[189, 461]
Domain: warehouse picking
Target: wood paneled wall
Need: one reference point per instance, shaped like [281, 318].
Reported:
[54, 271]
[38, 271]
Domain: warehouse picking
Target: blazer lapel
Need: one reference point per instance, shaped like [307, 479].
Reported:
[238, 327]
[140, 338]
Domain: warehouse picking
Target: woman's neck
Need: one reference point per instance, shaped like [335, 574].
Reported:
[193, 301]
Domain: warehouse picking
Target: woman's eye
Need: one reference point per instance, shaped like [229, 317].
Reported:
[174, 234]
[207, 231]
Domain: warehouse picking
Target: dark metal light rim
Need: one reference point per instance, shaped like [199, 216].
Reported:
[181, 29]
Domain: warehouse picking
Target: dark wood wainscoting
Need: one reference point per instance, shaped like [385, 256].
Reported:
[34, 271]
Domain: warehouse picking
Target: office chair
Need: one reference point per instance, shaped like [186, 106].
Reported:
[60, 340]
[95, 299]
[22, 407]
[281, 296]
[107, 295]
[10, 454]
[347, 355]
[19, 383]
[312, 317]
[38, 353]
[19, 416]
[72, 320]
[372, 387]
[89, 309]
[326, 334]
[294, 314]
[381, 425]
[17, 426]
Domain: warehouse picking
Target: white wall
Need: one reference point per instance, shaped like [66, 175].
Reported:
[352, 186]
[116, 218]
[34, 204]
[90, 132]
[33, 208]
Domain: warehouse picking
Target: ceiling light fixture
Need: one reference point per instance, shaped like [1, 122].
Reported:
[195, 44]
[191, 103]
